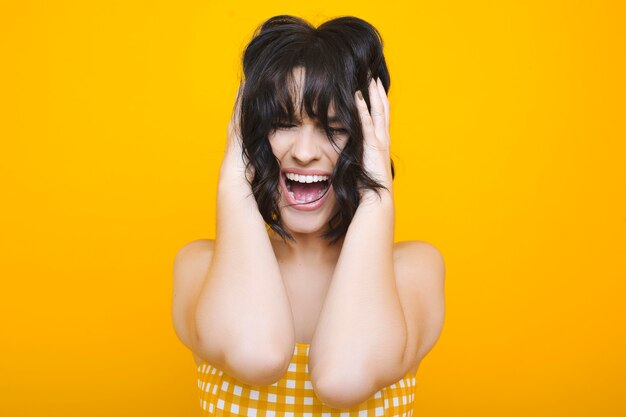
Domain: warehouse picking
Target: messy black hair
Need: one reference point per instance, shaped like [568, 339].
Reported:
[338, 57]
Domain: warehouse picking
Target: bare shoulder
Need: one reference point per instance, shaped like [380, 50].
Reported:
[191, 264]
[423, 253]
[196, 246]
[420, 276]
[195, 250]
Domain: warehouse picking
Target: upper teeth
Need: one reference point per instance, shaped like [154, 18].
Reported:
[306, 178]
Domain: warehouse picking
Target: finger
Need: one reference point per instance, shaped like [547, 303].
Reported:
[236, 114]
[366, 120]
[385, 99]
[377, 110]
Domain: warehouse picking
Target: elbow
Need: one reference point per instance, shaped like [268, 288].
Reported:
[343, 391]
[244, 360]
[258, 367]
[249, 367]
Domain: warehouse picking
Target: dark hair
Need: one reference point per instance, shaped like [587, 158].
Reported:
[339, 57]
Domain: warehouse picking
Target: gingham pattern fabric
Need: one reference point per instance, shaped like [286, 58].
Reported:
[293, 395]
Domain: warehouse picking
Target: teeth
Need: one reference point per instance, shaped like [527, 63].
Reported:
[306, 178]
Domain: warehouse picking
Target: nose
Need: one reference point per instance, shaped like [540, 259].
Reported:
[307, 146]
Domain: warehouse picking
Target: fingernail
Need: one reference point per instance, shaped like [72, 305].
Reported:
[359, 94]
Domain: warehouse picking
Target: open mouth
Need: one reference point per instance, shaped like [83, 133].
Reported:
[304, 189]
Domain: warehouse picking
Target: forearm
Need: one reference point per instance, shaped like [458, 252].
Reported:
[243, 305]
[362, 319]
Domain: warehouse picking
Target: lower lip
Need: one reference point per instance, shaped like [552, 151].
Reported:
[314, 205]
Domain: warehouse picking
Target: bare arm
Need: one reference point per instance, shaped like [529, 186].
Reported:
[362, 325]
[243, 314]
[362, 329]
[190, 267]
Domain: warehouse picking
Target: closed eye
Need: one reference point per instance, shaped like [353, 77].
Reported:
[283, 126]
[333, 130]
[340, 131]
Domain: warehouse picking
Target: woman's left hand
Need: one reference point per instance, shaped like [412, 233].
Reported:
[376, 138]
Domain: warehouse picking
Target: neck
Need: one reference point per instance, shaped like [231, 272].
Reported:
[307, 248]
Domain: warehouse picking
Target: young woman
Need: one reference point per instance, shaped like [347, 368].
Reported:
[303, 304]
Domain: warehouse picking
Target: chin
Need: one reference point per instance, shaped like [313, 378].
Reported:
[304, 222]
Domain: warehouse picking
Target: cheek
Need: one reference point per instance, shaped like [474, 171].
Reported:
[276, 151]
[277, 146]
[335, 150]
[334, 157]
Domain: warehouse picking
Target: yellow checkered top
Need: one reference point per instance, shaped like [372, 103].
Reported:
[293, 395]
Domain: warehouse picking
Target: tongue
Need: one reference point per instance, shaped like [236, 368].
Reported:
[306, 192]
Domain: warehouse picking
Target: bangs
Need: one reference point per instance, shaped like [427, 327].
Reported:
[311, 85]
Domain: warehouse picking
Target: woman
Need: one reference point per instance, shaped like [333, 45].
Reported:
[303, 303]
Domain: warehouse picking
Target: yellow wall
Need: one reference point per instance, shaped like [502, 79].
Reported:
[509, 138]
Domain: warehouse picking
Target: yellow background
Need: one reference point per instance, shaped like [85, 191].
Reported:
[509, 140]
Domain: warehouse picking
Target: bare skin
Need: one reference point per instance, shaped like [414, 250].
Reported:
[370, 309]
[306, 282]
